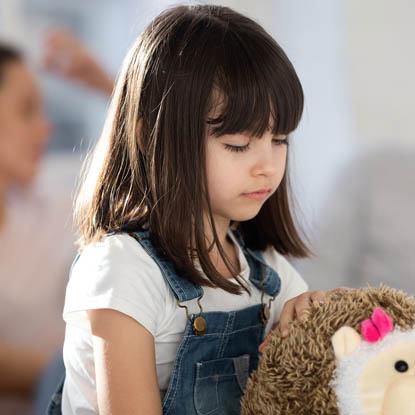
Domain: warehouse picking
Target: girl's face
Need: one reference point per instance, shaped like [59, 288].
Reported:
[24, 130]
[238, 166]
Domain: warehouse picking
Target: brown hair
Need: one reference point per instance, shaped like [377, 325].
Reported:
[8, 55]
[143, 170]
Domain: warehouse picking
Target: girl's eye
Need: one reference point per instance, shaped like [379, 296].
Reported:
[236, 148]
[280, 141]
[276, 141]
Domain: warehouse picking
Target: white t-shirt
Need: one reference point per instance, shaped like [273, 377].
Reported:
[117, 273]
[36, 251]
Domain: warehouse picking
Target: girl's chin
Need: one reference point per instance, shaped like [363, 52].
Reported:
[243, 217]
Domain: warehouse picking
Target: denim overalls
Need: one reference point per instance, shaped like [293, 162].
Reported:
[218, 350]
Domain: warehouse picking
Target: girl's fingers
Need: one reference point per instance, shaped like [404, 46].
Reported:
[318, 296]
[302, 305]
[263, 344]
[287, 315]
[266, 341]
[303, 302]
[299, 307]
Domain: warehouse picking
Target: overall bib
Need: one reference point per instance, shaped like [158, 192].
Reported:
[218, 350]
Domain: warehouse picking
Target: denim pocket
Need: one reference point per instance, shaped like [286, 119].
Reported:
[220, 384]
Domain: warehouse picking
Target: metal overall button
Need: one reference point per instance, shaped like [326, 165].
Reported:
[199, 323]
[265, 314]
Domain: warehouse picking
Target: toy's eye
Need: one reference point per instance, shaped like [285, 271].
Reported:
[401, 366]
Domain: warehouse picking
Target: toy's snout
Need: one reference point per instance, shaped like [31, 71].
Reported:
[400, 397]
[387, 379]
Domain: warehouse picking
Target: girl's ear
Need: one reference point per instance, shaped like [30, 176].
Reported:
[345, 341]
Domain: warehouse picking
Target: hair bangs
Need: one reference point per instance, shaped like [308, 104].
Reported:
[255, 89]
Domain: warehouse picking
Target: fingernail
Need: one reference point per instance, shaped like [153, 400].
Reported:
[284, 333]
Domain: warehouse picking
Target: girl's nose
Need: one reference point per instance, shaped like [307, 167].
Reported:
[267, 162]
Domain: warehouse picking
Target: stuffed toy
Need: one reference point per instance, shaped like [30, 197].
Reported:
[353, 355]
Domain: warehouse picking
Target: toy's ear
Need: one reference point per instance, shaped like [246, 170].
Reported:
[345, 341]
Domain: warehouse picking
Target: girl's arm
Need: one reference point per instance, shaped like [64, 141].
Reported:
[125, 365]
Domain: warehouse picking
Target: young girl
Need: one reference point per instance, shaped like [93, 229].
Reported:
[185, 221]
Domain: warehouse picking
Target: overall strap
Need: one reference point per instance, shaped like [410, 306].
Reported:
[260, 272]
[78, 255]
[182, 289]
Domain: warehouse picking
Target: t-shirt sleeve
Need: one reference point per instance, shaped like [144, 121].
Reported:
[292, 284]
[118, 274]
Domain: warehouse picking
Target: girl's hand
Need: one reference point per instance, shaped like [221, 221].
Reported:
[298, 307]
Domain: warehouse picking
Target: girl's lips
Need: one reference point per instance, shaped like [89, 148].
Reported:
[257, 195]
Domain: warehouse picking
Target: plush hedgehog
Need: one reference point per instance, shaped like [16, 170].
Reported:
[354, 355]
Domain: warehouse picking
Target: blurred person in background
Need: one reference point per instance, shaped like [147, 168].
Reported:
[367, 234]
[36, 239]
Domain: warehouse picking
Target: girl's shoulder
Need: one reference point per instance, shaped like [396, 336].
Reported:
[114, 253]
[117, 273]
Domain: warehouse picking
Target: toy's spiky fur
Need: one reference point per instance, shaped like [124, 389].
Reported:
[294, 373]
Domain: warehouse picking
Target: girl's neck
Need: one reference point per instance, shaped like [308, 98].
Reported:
[222, 227]
[229, 249]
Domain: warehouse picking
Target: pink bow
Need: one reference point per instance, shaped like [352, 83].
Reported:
[377, 327]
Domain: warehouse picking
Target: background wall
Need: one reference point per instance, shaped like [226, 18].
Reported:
[380, 67]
